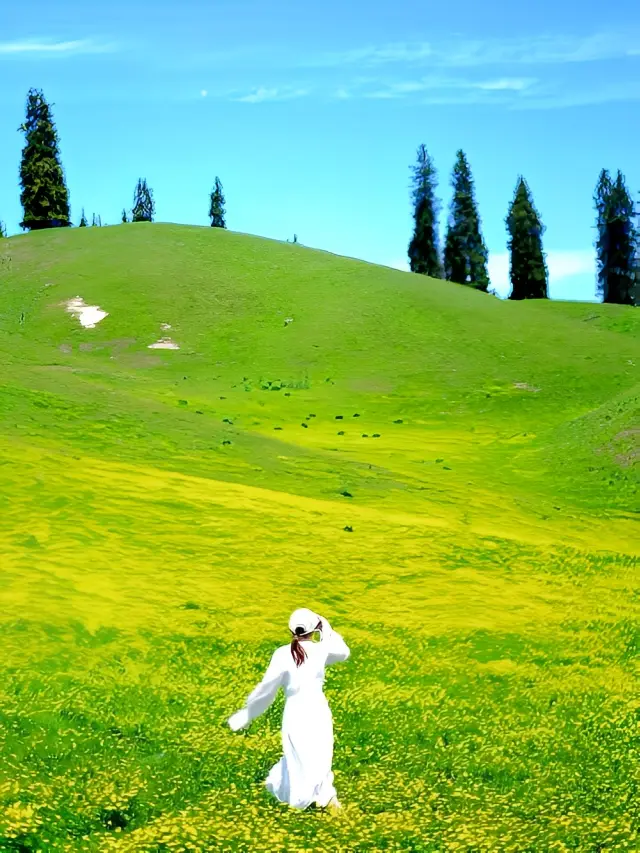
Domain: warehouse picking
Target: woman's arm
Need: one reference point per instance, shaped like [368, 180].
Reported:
[336, 648]
[262, 697]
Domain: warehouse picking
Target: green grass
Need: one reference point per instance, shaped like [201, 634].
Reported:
[161, 512]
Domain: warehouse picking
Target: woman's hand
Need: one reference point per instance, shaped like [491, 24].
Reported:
[239, 720]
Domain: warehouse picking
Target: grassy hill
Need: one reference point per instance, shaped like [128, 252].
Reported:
[451, 478]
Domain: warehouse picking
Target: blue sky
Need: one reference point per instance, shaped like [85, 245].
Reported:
[311, 113]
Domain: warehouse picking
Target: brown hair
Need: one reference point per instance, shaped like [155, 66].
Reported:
[297, 651]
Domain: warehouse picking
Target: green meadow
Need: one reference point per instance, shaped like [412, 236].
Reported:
[451, 479]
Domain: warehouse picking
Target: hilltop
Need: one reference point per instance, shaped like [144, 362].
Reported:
[306, 354]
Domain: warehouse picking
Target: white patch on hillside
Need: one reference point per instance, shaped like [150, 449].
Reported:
[88, 315]
[164, 343]
[165, 327]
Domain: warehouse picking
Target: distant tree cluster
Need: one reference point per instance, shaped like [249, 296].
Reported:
[44, 195]
[462, 259]
[464, 256]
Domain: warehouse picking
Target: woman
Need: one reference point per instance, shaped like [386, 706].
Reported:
[303, 775]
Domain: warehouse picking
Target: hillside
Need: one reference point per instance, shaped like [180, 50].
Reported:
[451, 477]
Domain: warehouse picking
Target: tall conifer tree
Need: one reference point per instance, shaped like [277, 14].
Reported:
[465, 253]
[617, 241]
[217, 206]
[424, 250]
[528, 269]
[44, 196]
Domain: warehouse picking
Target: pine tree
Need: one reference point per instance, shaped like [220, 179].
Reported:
[143, 204]
[216, 206]
[424, 255]
[528, 270]
[3, 230]
[83, 220]
[617, 241]
[465, 254]
[124, 216]
[601, 200]
[44, 196]
[636, 290]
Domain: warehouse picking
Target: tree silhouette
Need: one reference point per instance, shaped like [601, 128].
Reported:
[44, 196]
[424, 254]
[143, 204]
[217, 206]
[465, 253]
[528, 269]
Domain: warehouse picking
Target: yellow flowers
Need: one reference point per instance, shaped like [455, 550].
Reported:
[458, 739]
[490, 703]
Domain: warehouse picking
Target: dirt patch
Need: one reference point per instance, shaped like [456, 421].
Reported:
[627, 433]
[66, 348]
[632, 455]
[625, 456]
[627, 460]
[373, 386]
[523, 386]
[143, 360]
[117, 345]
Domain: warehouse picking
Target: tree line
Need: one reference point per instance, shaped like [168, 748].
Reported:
[44, 195]
[462, 258]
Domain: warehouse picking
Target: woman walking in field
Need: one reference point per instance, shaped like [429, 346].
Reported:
[303, 775]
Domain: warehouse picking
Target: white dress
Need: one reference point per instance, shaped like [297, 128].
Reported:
[303, 775]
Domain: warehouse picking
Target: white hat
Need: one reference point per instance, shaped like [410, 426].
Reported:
[305, 619]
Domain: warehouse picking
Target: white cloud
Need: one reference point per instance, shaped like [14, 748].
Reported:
[506, 84]
[46, 48]
[517, 73]
[203, 93]
[412, 87]
[551, 98]
[562, 264]
[463, 53]
[437, 83]
[380, 54]
[263, 93]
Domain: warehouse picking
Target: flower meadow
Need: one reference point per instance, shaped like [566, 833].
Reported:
[449, 478]
[490, 702]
